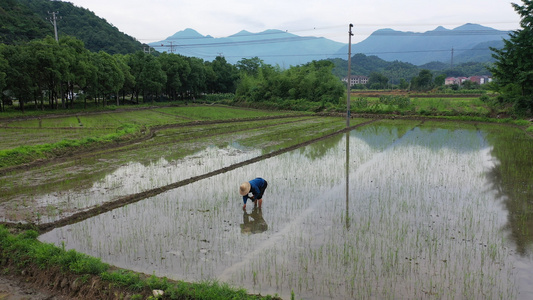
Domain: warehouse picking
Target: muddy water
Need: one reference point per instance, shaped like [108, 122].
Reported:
[434, 211]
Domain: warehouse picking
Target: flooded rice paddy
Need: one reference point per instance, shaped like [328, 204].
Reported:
[58, 190]
[422, 210]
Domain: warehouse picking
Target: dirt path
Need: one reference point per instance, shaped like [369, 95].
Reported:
[15, 289]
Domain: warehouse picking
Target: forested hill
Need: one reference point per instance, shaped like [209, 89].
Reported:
[25, 20]
[470, 43]
[395, 70]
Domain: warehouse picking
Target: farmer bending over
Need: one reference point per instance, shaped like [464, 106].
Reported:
[256, 187]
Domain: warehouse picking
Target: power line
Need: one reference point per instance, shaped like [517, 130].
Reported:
[331, 55]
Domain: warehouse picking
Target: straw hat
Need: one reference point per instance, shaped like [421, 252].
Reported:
[244, 189]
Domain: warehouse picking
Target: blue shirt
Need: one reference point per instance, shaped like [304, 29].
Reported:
[257, 188]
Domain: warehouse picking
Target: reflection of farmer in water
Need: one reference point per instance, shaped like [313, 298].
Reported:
[254, 222]
[257, 188]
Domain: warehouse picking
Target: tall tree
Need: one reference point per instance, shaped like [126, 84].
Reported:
[80, 69]
[109, 79]
[176, 69]
[129, 79]
[513, 69]
[20, 66]
[149, 76]
[3, 70]
[422, 82]
[152, 77]
[195, 83]
[250, 66]
[225, 76]
[377, 81]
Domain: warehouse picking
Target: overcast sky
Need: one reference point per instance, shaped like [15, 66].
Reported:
[155, 20]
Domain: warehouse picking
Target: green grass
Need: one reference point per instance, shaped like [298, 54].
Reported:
[27, 140]
[217, 112]
[24, 250]
[436, 106]
[28, 153]
[13, 138]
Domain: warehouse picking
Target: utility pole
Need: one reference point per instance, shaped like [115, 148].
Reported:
[350, 34]
[53, 20]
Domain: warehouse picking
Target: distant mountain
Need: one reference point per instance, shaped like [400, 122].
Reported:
[469, 42]
[479, 53]
[24, 20]
[272, 46]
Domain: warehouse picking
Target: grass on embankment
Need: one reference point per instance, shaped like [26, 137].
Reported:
[20, 252]
[28, 153]
[124, 125]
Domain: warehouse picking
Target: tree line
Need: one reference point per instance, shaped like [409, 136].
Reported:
[49, 74]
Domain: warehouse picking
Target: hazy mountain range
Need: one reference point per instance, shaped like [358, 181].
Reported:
[273, 46]
[25, 20]
[469, 42]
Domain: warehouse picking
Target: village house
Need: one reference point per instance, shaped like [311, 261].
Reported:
[356, 79]
[459, 80]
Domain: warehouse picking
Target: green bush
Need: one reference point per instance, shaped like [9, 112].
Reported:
[218, 97]
[484, 98]
[124, 278]
[360, 103]
[399, 101]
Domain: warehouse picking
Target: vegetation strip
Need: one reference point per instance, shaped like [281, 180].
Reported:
[153, 192]
[81, 276]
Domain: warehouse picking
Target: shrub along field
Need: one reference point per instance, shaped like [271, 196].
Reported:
[431, 106]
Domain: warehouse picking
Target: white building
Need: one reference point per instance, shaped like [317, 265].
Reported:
[356, 79]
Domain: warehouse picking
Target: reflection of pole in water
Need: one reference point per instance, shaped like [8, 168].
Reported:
[347, 178]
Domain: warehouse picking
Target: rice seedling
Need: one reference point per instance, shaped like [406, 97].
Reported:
[426, 216]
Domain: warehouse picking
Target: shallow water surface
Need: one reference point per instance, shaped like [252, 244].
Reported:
[433, 211]
[62, 188]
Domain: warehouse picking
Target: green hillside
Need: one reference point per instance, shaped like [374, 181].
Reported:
[19, 24]
[397, 70]
[25, 20]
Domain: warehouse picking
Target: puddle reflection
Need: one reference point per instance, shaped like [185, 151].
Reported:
[253, 222]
